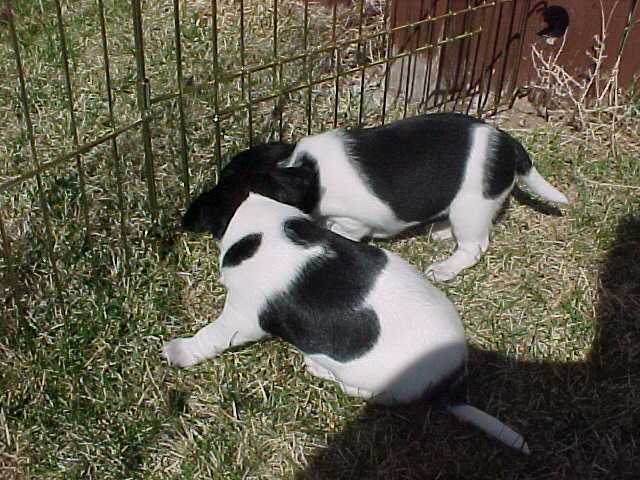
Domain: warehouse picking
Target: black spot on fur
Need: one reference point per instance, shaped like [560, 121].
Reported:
[523, 161]
[415, 165]
[212, 210]
[324, 309]
[304, 233]
[499, 171]
[312, 196]
[242, 250]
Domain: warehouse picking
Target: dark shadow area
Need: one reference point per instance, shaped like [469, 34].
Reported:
[581, 420]
[423, 229]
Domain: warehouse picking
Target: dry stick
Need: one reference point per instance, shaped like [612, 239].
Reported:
[555, 79]
[611, 185]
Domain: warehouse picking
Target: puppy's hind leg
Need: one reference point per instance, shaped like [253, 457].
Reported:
[317, 370]
[471, 220]
[356, 391]
[229, 330]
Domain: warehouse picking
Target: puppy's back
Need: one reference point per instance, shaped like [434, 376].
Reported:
[421, 340]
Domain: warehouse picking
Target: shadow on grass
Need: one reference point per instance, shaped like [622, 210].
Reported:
[582, 420]
[534, 202]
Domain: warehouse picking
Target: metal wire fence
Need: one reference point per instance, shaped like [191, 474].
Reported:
[196, 80]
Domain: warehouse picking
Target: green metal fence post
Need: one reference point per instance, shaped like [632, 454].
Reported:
[216, 84]
[114, 143]
[336, 66]
[72, 121]
[144, 106]
[183, 134]
[44, 206]
[245, 81]
[307, 63]
[276, 81]
[387, 54]
[361, 63]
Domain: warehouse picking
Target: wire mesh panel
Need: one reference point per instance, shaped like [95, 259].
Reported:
[116, 111]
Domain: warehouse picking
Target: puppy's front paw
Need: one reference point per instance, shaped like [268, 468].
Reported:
[179, 352]
[440, 272]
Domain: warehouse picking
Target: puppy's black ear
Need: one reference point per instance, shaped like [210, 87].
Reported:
[296, 186]
[260, 158]
[197, 218]
[212, 210]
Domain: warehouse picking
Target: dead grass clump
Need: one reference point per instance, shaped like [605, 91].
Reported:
[593, 104]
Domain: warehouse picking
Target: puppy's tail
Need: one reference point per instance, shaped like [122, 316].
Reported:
[490, 425]
[532, 178]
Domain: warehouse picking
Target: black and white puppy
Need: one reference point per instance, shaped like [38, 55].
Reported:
[377, 182]
[360, 315]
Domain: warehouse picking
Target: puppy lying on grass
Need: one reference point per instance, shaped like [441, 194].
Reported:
[377, 182]
[361, 316]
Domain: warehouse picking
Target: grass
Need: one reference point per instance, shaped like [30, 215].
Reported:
[551, 311]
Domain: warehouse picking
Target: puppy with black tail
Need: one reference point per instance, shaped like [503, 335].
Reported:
[361, 316]
[377, 182]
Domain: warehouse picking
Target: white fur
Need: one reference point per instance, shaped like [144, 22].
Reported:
[470, 213]
[490, 425]
[421, 339]
[540, 186]
[266, 272]
[349, 208]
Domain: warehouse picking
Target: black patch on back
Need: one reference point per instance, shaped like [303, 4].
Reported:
[415, 165]
[309, 165]
[324, 310]
[242, 250]
[500, 166]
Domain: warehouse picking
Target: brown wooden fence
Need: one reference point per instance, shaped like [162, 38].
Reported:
[498, 57]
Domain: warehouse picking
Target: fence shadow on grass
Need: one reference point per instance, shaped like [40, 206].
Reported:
[581, 419]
